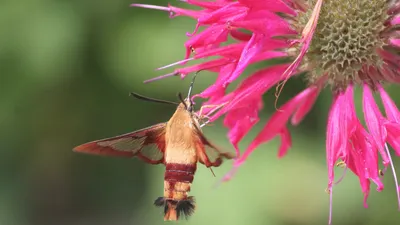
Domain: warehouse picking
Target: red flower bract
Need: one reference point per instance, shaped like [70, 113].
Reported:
[324, 40]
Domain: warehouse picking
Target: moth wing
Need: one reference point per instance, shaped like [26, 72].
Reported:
[147, 144]
[209, 154]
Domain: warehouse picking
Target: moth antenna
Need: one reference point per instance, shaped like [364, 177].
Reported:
[141, 97]
[190, 108]
[182, 100]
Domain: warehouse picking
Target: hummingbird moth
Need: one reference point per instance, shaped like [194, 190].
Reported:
[178, 144]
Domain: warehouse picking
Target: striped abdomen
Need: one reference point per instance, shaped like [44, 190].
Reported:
[177, 181]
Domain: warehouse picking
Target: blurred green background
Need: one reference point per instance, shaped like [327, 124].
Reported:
[66, 70]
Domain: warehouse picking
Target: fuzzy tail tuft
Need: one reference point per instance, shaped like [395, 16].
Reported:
[174, 209]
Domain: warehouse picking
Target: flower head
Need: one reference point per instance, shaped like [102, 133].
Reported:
[339, 44]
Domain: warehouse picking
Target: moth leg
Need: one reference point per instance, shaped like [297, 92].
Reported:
[216, 107]
[206, 117]
[204, 159]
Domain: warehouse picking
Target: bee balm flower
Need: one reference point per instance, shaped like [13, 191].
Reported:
[339, 44]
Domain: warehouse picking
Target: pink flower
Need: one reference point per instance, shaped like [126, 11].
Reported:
[338, 43]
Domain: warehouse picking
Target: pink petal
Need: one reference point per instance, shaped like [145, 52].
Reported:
[369, 166]
[340, 125]
[395, 20]
[240, 121]
[391, 109]
[356, 164]
[276, 125]
[213, 65]
[214, 34]
[286, 142]
[333, 138]
[230, 11]
[373, 119]
[232, 51]
[265, 22]
[305, 108]
[206, 4]
[217, 89]
[273, 5]
[252, 48]
[307, 34]
[174, 11]
[393, 130]
[186, 12]
[395, 42]
[255, 85]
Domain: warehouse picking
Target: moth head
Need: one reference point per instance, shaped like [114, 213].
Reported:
[186, 103]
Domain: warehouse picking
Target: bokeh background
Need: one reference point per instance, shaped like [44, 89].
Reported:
[66, 70]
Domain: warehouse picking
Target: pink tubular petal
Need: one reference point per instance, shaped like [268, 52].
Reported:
[391, 110]
[255, 85]
[307, 34]
[174, 11]
[395, 42]
[393, 130]
[161, 77]
[217, 90]
[240, 121]
[228, 176]
[276, 124]
[395, 20]
[348, 140]
[367, 156]
[340, 125]
[253, 47]
[333, 138]
[303, 110]
[363, 155]
[286, 142]
[373, 119]
[226, 13]
[175, 63]
[366, 194]
[162, 8]
[214, 34]
[186, 12]
[264, 22]
[356, 156]
[213, 65]
[205, 4]
[229, 51]
[273, 5]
